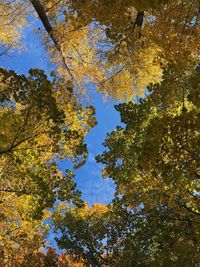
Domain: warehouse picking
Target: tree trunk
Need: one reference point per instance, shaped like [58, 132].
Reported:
[49, 29]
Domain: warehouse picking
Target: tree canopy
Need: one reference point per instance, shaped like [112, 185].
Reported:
[41, 123]
[154, 161]
[114, 44]
[145, 53]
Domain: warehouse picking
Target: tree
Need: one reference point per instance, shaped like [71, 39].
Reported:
[118, 44]
[41, 123]
[139, 38]
[21, 235]
[128, 47]
[35, 256]
[154, 161]
[69, 261]
[117, 236]
[83, 231]
[156, 156]
[13, 18]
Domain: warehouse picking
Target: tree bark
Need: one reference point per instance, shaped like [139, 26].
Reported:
[49, 29]
[139, 19]
[43, 17]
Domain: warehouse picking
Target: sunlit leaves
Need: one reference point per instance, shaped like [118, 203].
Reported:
[41, 123]
[124, 44]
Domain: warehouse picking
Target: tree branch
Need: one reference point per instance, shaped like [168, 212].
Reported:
[49, 29]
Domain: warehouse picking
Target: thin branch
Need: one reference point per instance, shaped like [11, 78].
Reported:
[22, 192]
[55, 4]
[23, 127]
[191, 152]
[20, 142]
[190, 210]
[112, 76]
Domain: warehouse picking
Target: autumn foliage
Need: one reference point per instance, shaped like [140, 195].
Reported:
[145, 53]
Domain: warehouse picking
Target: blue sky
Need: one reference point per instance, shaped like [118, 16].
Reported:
[88, 177]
